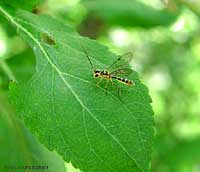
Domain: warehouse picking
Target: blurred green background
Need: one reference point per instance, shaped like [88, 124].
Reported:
[165, 39]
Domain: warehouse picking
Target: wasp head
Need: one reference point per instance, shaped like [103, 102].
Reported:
[97, 73]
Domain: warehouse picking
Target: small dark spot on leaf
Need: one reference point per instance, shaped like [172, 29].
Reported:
[46, 38]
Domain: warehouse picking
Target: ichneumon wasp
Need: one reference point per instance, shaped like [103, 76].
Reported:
[118, 70]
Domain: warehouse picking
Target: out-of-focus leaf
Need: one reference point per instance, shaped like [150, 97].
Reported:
[23, 4]
[186, 153]
[177, 154]
[19, 149]
[192, 5]
[62, 105]
[128, 13]
[22, 64]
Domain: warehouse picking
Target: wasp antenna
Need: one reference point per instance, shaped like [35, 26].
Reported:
[87, 56]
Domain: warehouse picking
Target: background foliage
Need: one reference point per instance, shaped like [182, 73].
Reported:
[166, 54]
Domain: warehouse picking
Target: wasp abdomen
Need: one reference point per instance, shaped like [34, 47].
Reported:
[123, 80]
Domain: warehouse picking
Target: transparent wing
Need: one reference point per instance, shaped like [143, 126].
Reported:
[121, 62]
[121, 65]
[127, 56]
[122, 72]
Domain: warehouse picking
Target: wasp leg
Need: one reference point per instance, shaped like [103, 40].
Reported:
[99, 82]
[119, 94]
[118, 91]
[107, 84]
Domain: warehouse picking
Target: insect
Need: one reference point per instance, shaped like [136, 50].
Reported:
[116, 71]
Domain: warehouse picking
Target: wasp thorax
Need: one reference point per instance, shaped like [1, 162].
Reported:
[104, 72]
[97, 73]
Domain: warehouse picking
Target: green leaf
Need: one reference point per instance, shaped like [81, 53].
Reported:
[22, 4]
[62, 105]
[184, 155]
[21, 66]
[18, 146]
[128, 13]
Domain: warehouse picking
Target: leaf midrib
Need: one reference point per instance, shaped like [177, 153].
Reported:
[65, 45]
[66, 83]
